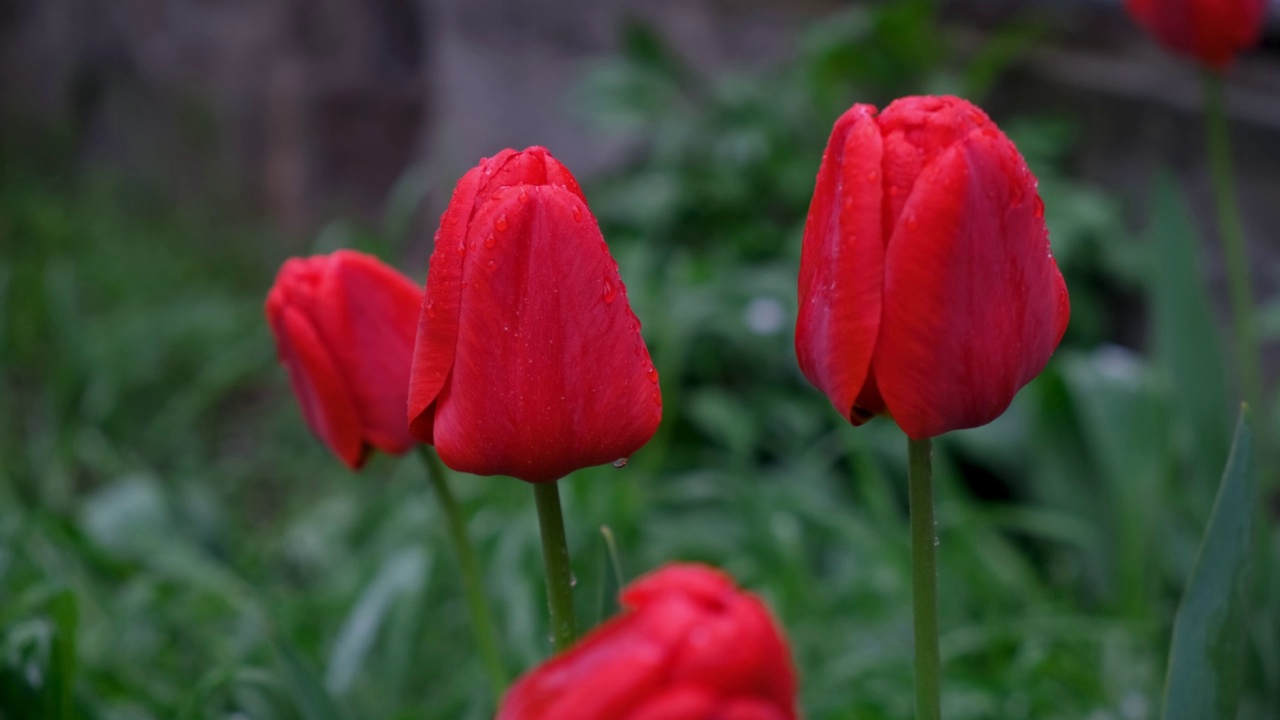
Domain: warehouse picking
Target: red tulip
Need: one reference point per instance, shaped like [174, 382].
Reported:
[1212, 31]
[344, 326]
[927, 289]
[529, 361]
[688, 646]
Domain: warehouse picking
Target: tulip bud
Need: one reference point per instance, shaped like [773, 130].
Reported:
[927, 288]
[344, 326]
[688, 646]
[529, 361]
[1211, 31]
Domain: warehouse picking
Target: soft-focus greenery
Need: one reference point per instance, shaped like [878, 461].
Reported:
[173, 543]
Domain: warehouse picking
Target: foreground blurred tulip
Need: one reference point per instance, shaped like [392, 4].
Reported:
[1212, 31]
[344, 326]
[927, 289]
[529, 361]
[688, 646]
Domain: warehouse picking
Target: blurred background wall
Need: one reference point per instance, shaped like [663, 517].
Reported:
[314, 108]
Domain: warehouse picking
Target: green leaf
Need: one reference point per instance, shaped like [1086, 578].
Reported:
[66, 618]
[314, 703]
[1205, 659]
[1186, 338]
[38, 659]
[403, 574]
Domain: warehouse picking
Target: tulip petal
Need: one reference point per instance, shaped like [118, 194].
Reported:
[916, 130]
[328, 407]
[531, 166]
[548, 358]
[613, 670]
[631, 667]
[735, 630]
[751, 710]
[723, 651]
[1212, 31]
[974, 304]
[369, 314]
[683, 703]
[437, 338]
[842, 265]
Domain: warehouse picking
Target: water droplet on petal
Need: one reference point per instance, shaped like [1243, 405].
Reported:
[895, 190]
[1039, 207]
[577, 213]
[501, 223]
[431, 308]
[609, 291]
[523, 196]
[873, 176]
[490, 264]
[620, 462]
[652, 372]
[489, 241]
[657, 398]
[912, 223]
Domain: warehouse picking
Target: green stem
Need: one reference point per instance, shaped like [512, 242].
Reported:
[481, 619]
[924, 579]
[555, 557]
[1237, 260]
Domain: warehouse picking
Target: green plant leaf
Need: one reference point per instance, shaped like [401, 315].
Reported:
[1206, 655]
[402, 574]
[1187, 341]
[313, 701]
[38, 659]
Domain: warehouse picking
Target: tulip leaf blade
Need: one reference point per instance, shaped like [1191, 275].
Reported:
[1186, 338]
[1206, 654]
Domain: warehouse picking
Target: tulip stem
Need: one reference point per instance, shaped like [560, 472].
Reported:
[481, 619]
[555, 557]
[1233, 249]
[924, 579]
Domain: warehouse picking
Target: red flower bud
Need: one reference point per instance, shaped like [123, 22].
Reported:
[529, 361]
[344, 326]
[1212, 31]
[927, 289]
[688, 646]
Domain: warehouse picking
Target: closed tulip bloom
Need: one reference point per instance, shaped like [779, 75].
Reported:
[344, 326]
[529, 361]
[927, 289]
[687, 646]
[1212, 31]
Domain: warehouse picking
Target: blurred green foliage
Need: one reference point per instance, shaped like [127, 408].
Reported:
[173, 544]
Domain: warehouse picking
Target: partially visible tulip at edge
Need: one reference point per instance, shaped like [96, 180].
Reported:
[344, 327]
[927, 287]
[688, 645]
[529, 361]
[1211, 31]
